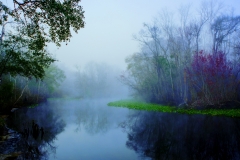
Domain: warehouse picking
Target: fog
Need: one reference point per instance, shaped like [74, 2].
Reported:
[94, 80]
[176, 53]
[110, 26]
[95, 57]
[117, 35]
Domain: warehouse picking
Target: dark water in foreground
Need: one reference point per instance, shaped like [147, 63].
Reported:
[84, 129]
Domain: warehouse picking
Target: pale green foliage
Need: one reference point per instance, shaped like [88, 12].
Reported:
[53, 77]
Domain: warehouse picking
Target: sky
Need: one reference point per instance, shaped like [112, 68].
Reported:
[110, 25]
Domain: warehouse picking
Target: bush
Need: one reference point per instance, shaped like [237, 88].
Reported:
[212, 79]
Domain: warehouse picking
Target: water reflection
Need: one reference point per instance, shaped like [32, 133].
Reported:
[174, 136]
[37, 130]
[85, 129]
[88, 129]
[93, 118]
[92, 131]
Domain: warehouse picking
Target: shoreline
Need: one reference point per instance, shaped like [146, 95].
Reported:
[235, 112]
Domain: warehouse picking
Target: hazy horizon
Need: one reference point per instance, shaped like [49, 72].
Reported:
[110, 26]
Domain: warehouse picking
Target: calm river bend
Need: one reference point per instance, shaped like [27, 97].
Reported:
[90, 130]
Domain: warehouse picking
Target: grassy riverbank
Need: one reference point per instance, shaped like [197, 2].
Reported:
[170, 109]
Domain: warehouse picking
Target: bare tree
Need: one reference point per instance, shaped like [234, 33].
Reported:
[222, 27]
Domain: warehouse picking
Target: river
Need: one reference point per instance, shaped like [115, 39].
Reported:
[89, 129]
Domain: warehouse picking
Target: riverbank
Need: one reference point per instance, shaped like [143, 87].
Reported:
[171, 109]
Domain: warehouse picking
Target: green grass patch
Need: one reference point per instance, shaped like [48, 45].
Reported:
[171, 109]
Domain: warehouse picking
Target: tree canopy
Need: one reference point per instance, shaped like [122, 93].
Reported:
[55, 16]
[30, 26]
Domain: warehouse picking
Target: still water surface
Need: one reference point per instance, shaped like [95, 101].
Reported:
[89, 129]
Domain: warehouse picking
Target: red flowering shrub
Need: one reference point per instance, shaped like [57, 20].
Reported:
[211, 79]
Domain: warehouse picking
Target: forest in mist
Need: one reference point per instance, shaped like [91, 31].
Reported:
[95, 80]
[184, 58]
[191, 59]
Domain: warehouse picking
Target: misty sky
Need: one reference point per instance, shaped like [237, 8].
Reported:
[110, 25]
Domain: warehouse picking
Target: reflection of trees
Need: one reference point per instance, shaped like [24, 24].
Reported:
[93, 118]
[38, 128]
[173, 136]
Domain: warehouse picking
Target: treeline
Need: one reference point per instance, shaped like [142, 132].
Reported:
[188, 59]
[18, 91]
[98, 80]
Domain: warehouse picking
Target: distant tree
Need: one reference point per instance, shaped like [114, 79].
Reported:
[222, 27]
[48, 86]
[92, 81]
[98, 80]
